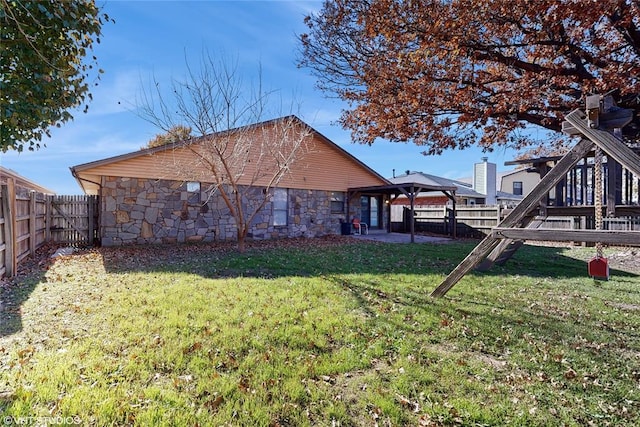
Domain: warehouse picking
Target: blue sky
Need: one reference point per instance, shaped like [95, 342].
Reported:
[150, 39]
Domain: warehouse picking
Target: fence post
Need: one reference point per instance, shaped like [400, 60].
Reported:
[445, 219]
[47, 218]
[32, 223]
[8, 208]
[4, 196]
[90, 223]
[454, 219]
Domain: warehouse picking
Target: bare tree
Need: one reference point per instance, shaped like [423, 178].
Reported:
[232, 147]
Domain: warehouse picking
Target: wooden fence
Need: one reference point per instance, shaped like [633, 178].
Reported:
[477, 221]
[29, 219]
[472, 221]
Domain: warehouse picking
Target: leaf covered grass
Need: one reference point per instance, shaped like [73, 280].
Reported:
[310, 334]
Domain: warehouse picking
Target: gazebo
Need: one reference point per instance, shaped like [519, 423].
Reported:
[410, 190]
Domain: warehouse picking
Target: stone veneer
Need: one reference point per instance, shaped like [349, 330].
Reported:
[147, 211]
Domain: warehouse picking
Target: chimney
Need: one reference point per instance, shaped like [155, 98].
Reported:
[484, 180]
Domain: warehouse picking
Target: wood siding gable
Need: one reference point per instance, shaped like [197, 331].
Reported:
[322, 165]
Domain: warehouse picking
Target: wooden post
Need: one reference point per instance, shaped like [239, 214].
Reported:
[454, 220]
[543, 169]
[8, 208]
[583, 182]
[90, 213]
[47, 219]
[32, 223]
[445, 220]
[412, 224]
[614, 186]
[560, 188]
[4, 207]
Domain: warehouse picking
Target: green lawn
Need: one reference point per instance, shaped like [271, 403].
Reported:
[310, 333]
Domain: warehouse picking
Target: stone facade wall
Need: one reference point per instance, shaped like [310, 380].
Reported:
[146, 211]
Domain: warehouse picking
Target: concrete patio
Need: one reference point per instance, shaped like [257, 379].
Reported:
[383, 236]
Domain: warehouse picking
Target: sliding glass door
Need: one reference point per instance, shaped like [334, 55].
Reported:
[371, 212]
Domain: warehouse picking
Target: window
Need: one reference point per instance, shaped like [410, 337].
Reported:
[193, 192]
[193, 187]
[279, 203]
[337, 202]
[517, 188]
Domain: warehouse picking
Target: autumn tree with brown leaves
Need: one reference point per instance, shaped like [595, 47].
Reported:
[452, 73]
[177, 133]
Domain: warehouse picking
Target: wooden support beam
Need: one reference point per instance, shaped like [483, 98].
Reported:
[550, 179]
[509, 251]
[503, 247]
[620, 210]
[455, 218]
[559, 193]
[487, 245]
[609, 120]
[608, 237]
[507, 247]
[529, 203]
[611, 145]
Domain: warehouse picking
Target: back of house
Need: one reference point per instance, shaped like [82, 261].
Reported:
[168, 194]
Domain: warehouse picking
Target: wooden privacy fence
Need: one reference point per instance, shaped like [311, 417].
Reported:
[29, 219]
[477, 221]
[471, 221]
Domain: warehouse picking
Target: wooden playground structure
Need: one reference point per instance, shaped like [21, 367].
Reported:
[597, 190]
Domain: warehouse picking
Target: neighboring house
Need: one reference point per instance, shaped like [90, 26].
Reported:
[520, 182]
[144, 201]
[20, 181]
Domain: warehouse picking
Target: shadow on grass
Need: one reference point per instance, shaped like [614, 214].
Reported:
[361, 268]
[559, 318]
[16, 290]
[358, 268]
[302, 258]
[13, 293]
[307, 260]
